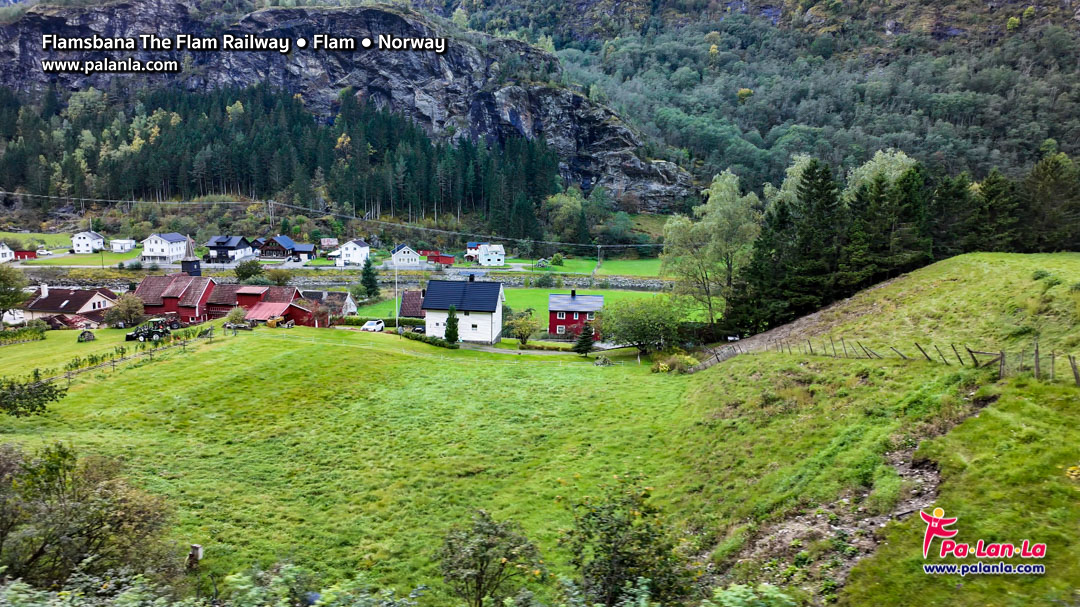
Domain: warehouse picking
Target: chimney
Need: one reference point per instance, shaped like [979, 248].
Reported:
[423, 292]
[573, 293]
[472, 277]
[44, 290]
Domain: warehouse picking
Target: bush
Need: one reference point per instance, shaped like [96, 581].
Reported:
[153, 267]
[358, 321]
[431, 340]
[675, 363]
[26, 333]
[1039, 274]
[545, 281]
[134, 265]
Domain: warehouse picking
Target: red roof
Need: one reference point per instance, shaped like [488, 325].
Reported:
[251, 290]
[224, 294]
[410, 304]
[188, 289]
[266, 310]
[281, 294]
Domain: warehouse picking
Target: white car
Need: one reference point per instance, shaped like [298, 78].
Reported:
[374, 326]
[44, 252]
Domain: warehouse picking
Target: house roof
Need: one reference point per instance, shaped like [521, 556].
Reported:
[64, 300]
[359, 242]
[251, 290]
[564, 302]
[335, 300]
[265, 310]
[328, 242]
[473, 245]
[187, 289]
[281, 294]
[463, 295]
[304, 248]
[170, 237]
[258, 242]
[284, 241]
[224, 294]
[411, 304]
[91, 234]
[492, 248]
[399, 248]
[229, 242]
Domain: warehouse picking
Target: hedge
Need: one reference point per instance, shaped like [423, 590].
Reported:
[21, 335]
[430, 339]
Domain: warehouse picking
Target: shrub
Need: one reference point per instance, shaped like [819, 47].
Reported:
[153, 267]
[1039, 274]
[431, 340]
[27, 333]
[675, 363]
[545, 281]
[557, 259]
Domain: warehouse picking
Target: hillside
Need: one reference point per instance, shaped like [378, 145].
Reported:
[343, 451]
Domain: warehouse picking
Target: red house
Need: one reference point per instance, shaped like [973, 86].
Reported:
[179, 293]
[567, 314]
[25, 255]
[264, 311]
[446, 260]
[228, 296]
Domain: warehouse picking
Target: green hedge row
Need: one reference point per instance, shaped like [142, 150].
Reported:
[429, 339]
[23, 334]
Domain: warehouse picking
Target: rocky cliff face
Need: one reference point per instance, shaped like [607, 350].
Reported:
[481, 87]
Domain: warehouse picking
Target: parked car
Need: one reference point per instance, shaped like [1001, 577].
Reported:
[43, 252]
[374, 326]
[418, 329]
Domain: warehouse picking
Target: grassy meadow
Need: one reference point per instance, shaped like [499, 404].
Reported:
[108, 258]
[51, 241]
[345, 451]
[518, 299]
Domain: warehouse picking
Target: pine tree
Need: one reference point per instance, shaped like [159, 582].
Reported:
[369, 278]
[451, 334]
[584, 343]
[812, 276]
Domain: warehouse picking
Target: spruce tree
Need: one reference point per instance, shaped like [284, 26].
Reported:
[451, 334]
[369, 278]
[584, 343]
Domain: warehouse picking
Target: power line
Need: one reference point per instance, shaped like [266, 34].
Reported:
[388, 224]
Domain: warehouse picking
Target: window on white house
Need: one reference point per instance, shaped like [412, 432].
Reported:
[561, 315]
[474, 327]
[466, 312]
[560, 329]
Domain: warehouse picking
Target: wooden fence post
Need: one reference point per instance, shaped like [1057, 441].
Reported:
[958, 357]
[1053, 360]
[1001, 366]
[942, 356]
[811, 346]
[1037, 369]
[1076, 372]
[844, 346]
[923, 352]
[899, 352]
[974, 360]
[833, 343]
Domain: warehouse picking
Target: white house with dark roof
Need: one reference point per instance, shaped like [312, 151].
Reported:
[404, 256]
[478, 305]
[491, 255]
[122, 245]
[87, 242]
[169, 247]
[6, 254]
[354, 252]
[223, 249]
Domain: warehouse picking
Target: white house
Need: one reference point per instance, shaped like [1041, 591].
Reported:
[164, 248]
[478, 306]
[403, 255]
[224, 249]
[354, 252]
[472, 250]
[87, 242]
[50, 302]
[121, 245]
[6, 254]
[492, 255]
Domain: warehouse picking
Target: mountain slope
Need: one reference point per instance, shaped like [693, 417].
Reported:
[480, 87]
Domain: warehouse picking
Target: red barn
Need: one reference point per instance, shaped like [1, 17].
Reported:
[446, 260]
[180, 294]
[264, 311]
[228, 296]
[567, 314]
[25, 254]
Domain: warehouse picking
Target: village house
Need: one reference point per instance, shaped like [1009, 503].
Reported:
[47, 302]
[180, 294]
[328, 244]
[567, 314]
[169, 247]
[87, 242]
[121, 245]
[491, 255]
[227, 296]
[412, 304]
[6, 254]
[478, 306]
[283, 247]
[225, 249]
[264, 311]
[403, 256]
[21, 255]
[472, 250]
[354, 252]
[442, 260]
[339, 303]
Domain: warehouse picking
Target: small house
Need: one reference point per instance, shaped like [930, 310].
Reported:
[567, 314]
[180, 294]
[264, 311]
[47, 302]
[491, 255]
[355, 252]
[403, 256]
[225, 249]
[169, 247]
[87, 242]
[340, 303]
[121, 245]
[305, 252]
[6, 254]
[442, 260]
[328, 244]
[478, 306]
[472, 250]
[21, 255]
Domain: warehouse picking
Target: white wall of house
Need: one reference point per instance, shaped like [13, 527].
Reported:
[120, 245]
[349, 309]
[235, 254]
[406, 257]
[85, 242]
[6, 254]
[492, 255]
[157, 249]
[480, 327]
[354, 254]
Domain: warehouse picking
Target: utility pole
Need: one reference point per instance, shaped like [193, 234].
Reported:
[397, 305]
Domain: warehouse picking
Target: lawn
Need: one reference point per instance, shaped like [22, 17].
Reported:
[56, 350]
[573, 265]
[106, 258]
[51, 241]
[517, 299]
[648, 267]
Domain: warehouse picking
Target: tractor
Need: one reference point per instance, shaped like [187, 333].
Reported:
[154, 329]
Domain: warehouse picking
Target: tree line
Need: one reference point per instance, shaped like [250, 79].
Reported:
[817, 238]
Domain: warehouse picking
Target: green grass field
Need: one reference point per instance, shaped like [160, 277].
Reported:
[648, 267]
[575, 265]
[52, 241]
[517, 299]
[344, 451]
[107, 258]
